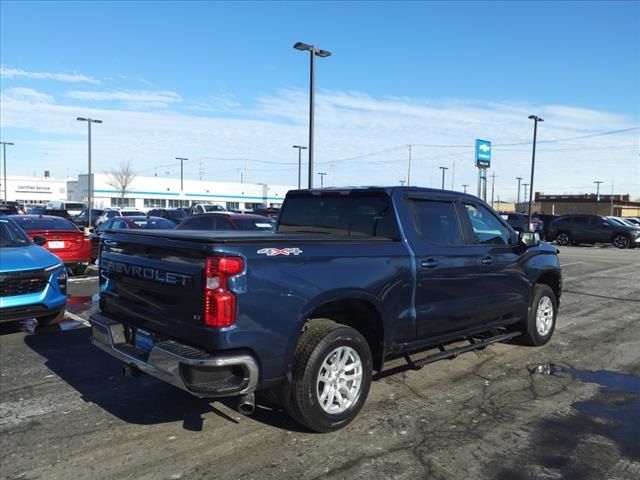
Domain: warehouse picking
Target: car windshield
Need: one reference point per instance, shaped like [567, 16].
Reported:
[131, 213]
[213, 208]
[11, 235]
[44, 223]
[255, 224]
[73, 206]
[154, 223]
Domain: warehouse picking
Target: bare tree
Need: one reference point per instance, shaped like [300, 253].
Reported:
[122, 177]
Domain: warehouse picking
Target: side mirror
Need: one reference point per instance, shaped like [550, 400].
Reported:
[530, 239]
[605, 224]
[39, 240]
[92, 230]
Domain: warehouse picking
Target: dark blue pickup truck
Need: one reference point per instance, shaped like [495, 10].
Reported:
[308, 314]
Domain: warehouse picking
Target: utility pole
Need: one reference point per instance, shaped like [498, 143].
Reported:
[402, 182]
[4, 155]
[597, 182]
[453, 174]
[493, 182]
[612, 197]
[525, 185]
[322, 174]
[182, 160]
[90, 179]
[519, 179]
[409, 168]
[300, 148]
[200, 169]
[465, 185]
[444, 169]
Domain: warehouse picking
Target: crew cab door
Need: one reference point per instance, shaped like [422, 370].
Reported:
[501, 280]
[448, 291]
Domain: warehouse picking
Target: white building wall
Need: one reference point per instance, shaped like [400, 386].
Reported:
[146, 192]
[34, 190]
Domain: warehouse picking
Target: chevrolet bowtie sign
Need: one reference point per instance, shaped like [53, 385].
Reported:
[483, 153]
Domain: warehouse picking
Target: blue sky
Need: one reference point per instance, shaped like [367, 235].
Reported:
[401, 72]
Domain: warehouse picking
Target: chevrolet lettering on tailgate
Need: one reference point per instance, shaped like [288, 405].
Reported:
[146, 273]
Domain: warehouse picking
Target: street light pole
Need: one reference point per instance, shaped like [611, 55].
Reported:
[493, 182]
[535, 119]
[409, 167]
[313, 51]
[519, 179]
[402, 182]
[322, 174]
[4, 156]
[90, 179]
[182, 160]
[597, 182]
[464, 186]
[444, 169]
[300, 148]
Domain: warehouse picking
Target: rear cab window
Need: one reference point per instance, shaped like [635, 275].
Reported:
[364, 215]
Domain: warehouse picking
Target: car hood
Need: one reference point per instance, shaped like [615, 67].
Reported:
[31, 257]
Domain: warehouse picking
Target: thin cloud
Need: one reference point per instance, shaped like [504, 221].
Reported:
[131, 98]
[26, 95]
[13, 73]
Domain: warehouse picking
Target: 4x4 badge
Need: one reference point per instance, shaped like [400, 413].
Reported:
[272, 252]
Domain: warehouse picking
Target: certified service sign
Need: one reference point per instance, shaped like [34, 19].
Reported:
[483, 153]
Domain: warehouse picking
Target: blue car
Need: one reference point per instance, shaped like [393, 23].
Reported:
[33, 281]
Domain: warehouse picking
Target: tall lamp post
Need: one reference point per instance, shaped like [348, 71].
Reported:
[313, 51]
[465, 185]
[300, 148]
[182, 160]
[4, 156]
[519, 179]
[444, 169]
[535, 119]
[322, 174]
[90, 180]
[597, 182]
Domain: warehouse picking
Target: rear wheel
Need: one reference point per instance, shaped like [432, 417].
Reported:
[621, 241]
[51, 319]
[564, 238]
[331, 376]
[541, 321]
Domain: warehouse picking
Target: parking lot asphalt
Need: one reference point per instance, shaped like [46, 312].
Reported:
[570, 409]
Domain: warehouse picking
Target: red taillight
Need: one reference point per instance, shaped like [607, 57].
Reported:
[220, 303]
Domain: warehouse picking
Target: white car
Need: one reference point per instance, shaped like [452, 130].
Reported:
[72, 208]
[200, 208]
[110, 213]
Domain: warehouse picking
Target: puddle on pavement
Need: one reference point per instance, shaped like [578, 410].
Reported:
[618, 402]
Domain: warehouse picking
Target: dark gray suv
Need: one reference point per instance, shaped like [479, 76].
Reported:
[576, 229]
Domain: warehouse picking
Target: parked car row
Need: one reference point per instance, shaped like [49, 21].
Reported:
[576, 229]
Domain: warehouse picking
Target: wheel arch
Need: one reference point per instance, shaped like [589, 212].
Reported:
[552, 279]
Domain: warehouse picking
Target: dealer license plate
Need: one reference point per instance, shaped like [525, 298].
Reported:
[55, 244]
[144, 340]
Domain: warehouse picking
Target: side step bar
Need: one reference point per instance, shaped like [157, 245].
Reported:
[475, 343]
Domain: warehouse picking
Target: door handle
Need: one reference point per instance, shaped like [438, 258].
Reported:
[111, 243]
[429, 263]
[488, 260]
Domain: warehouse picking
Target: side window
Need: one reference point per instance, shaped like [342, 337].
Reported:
[119, 224]
[580, 220]
[436, 222]
[487, 228]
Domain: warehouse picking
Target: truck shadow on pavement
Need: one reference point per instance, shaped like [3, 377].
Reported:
[142, 400]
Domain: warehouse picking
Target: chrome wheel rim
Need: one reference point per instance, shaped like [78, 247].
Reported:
[544, 316]
[621, 241]
[563, 239]
[339, 380]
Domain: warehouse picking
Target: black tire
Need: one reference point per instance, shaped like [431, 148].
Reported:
[564, 239]
[531, 335]
[621, 241]
[51, 319]
[79, 270]
[316, 343]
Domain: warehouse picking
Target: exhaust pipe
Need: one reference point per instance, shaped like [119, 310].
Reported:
[131, 371]
[247, 404]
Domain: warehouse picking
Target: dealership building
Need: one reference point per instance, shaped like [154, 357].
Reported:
[146, 192]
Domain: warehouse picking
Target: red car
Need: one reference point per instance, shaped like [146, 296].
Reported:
[227, 221]
[63, 239]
